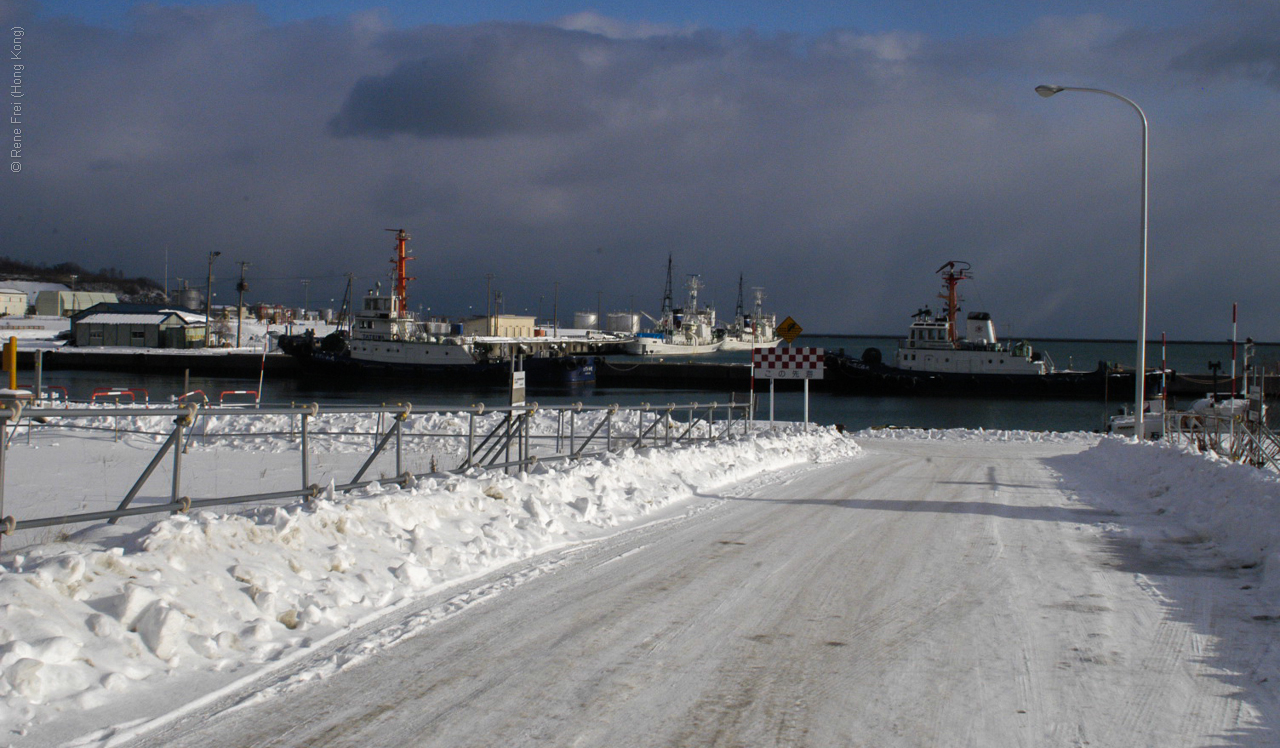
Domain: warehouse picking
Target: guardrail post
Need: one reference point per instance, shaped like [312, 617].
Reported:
[471, 438]
[4, 446]
[175, 439]
[608, 430]
[306, 467]
[400, 419]
[506, 448]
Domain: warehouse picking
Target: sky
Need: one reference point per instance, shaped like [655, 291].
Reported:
[834, 153]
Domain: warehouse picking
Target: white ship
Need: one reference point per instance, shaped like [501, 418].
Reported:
[386, 338]
[687, 330]
[936, 344]
[749, 331]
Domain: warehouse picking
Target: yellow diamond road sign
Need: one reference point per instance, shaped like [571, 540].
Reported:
[789, 330]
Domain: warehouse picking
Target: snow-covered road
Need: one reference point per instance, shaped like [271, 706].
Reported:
[928, 593]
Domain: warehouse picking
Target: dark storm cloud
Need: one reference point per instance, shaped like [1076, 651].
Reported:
[1251, 55]
[504, 80]
[837, 171]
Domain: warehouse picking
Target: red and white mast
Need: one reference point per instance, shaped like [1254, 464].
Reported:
[402, 280]
[952, 274]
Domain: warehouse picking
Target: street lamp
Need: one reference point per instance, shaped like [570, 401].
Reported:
[1140, 375]
[208, 298]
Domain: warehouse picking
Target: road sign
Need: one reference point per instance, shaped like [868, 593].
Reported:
[789, 330]
[787, 363]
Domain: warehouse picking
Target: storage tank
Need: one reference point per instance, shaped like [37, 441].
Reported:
[190, 298]
[586, 320]
[624, 322]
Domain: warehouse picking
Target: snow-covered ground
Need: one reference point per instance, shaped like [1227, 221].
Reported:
[208, 598]
[111, 631]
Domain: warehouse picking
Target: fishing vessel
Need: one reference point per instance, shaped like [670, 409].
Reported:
[687, 330]
[940, 357]
[385, 338]
[750, 330]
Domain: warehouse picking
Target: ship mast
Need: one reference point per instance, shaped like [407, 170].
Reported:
[737, 313]
[402, 279]
[952, 274]
[666, 314]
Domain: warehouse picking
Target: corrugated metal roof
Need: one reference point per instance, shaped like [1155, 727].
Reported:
[139, 318]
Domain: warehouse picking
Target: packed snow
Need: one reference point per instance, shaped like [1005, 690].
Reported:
[95, 616]
[88, 618]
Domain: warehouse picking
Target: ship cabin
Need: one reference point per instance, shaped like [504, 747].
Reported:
[380, 318]
[928, 348]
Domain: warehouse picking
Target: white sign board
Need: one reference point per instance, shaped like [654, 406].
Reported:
[517, 388]
[786, 363]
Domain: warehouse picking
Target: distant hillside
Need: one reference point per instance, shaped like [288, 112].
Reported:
[110, 280]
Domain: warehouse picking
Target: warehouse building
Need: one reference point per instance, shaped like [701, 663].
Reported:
[137, 326]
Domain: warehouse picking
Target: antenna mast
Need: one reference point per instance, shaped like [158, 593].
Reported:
[401, 259]
[737, 314]
[665, 315]
[952, 274]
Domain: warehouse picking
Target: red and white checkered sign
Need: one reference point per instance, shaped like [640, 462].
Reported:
[786, 363]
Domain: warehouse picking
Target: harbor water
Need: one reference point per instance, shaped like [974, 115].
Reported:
[849, 410]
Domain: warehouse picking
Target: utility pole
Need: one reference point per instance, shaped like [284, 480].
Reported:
[488, 302]
[306, 296]
[241, 287]
[208, 300]
[555, 310]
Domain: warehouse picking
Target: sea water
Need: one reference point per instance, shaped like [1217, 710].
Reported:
[849, 410]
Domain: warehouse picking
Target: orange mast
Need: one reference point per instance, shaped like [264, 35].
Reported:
[402, 280]
[952, 274]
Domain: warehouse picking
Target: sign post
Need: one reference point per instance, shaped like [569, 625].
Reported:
[788, 363]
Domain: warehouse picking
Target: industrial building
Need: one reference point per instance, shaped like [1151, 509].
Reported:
[138, 326]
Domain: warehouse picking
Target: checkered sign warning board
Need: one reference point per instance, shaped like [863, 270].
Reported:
[787, 363]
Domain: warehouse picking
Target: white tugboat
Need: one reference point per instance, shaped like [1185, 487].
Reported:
[939, 358]
[387, 339]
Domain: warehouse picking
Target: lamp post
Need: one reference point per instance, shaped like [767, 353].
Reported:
[1140, 375]
[208, 299]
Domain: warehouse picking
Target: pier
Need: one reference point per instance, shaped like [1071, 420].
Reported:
[612, 371]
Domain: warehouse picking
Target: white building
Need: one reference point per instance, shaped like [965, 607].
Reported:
[13, 303]
[502, 326]
[67, 303]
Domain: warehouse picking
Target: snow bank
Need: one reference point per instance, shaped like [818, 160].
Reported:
[213, 592]
[979, 435]
[1227, 505]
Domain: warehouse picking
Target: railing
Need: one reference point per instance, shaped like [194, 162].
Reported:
[1234, 437]
[654, 425]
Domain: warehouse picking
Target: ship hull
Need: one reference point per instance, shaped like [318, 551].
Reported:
[655, 347]
[541, 371]
[729, 344]
[847, 374]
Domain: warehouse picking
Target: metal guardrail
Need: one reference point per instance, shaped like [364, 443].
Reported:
[1234, 437]
[494, 450]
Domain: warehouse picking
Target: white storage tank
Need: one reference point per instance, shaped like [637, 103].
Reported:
[624, 322]
[586, 320]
